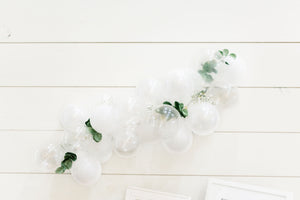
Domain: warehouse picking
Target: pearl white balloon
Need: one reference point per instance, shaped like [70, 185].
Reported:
[180, 142]
[86, 170]
[72, 118]
[102, 150]
[103, 119]
[203, 118]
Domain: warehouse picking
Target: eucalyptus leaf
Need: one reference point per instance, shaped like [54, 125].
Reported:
[66, 163]
[232, 55]
[226, 52]
[167, 103]
[70, 155]
[88, 123]
[97, 137]
[185, 113]
[60, 170]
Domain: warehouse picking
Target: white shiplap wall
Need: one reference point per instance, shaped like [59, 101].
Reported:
[59, 51]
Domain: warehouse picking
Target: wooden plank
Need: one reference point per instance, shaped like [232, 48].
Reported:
[267, 65]
[136, 20]
[258, 110]
[44, 186]
[234, 154]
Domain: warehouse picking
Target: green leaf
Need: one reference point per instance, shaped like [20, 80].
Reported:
[167, 103]
[233, 55]
[209, 66]
[177, 105]
[207, 77]
[226, 63]
[185, 113]
[88, 123]
[97, 137]
[60, 170]
[70, 155]
[226, 52]
[66, 163]
[221, 52]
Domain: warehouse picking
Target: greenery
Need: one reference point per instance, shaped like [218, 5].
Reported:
[179, 107]
[209, 67]
[96, 136]
[66, 163]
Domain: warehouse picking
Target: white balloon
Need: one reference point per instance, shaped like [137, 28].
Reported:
[72, 118]
[86, 170]
[203, 118]
[180, 142]
[103, 119]
[102, 150]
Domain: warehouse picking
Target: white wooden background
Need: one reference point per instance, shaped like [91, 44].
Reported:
[53, 52]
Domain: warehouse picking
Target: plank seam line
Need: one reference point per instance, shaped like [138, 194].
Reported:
[160, 42]
[132, 86]
[175, 175]
[216, 132]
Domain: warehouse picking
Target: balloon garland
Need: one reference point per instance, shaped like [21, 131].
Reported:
[184, 103]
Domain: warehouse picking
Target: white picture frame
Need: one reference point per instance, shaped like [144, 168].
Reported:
[135, 193]
[224, 190]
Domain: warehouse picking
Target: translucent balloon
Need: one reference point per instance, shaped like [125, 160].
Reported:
[77, 139]
[86, 170]
[223, 93]
[50, 157]
[180, 142]
[103, 119]
[164, 120]
[127, 141]
[181, 84]
[203, 118]
[150, 92]
[72, 118]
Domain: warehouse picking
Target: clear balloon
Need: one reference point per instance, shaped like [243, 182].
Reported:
[181, 84]
[50, 157]
[223, 93]
[126, 141]
[203, 118]
[180, 142]
[164, 120]
[86, 170]
[72, 118]
[150, 92]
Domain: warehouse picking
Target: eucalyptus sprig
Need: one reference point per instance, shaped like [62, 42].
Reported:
[66, 163]
[224, 55]
[97, 137]
[179, 107]
[209, 67]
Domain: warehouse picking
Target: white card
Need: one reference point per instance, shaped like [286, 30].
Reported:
[223, 190]
[134, 193]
